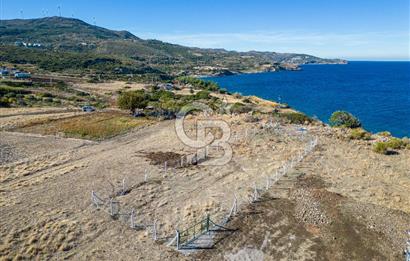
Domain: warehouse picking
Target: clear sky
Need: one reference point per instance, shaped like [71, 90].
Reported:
[350, 29]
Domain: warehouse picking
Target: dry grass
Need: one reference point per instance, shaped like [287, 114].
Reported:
[93, 126]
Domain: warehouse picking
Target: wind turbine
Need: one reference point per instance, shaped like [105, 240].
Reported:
[59, 10]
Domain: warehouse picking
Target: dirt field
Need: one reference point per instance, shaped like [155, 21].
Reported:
[108, 87]
[343, 202]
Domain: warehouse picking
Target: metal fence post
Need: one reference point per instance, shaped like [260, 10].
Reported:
[255, 193]
[154, 231]
[113, 212]
[132, 218]
[207, 222]
[177, 237]
[123, 186]
[112, 207]
[94, 199]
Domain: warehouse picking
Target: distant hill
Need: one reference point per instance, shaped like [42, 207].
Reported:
[72, 44]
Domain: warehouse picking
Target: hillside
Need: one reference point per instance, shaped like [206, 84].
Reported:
[78, 46]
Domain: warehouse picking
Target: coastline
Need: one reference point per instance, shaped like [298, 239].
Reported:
[278, 68]
[318, 92]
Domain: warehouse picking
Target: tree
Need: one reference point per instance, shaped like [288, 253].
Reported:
[344, 119]
[133, 100]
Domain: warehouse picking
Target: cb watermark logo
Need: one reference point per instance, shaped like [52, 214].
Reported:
[205, 140]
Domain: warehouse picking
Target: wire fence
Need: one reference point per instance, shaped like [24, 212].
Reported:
[255, 191]
[250, 192]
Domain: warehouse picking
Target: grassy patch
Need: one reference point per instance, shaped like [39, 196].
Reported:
[360, 134]
[295, 117]
[93, 126]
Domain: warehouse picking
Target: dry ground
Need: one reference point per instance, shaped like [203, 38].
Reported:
[348, 192]
[109, 87]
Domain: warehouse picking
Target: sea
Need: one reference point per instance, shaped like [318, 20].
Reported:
[378, 93]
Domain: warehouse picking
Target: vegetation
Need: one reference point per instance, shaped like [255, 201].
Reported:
[75, 46]
[163, 101]
[240, 108]
[344, 119]
[392, 144]
[133, 100]
[94, 126]
[380, 147]
[384, 134]
[295, 117]
[360, 134]
[395, 143]
[27, 94]
[198, 83]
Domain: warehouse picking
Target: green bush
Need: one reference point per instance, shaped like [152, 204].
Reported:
[395, 143]
[344, 119]
[4, 102]
[384, 134]
[392, 143]
[380, 147]
[240, 108]
[295, 117]
[237, 95]
[223, 91]
[133, 100]
[202, 95]
[4, 90]
[198, 83]
[360, 134]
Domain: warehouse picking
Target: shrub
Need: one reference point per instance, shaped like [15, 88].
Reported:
[202, 95]
[237, 95]
[380, 147]
[223, 91]
[239, 108]
[384, 134]
[4, 102]
[406, 142]
[198, 83]
[360, 134]
[395, 143]
[133, 100]
[344, 119]
[246, 100]
[295, 117]
[47, 99]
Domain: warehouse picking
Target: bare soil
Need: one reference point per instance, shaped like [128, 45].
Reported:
[344, 202]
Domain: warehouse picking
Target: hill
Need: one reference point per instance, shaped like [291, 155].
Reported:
[67, 44]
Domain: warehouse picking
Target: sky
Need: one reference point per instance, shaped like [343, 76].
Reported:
[349, 29]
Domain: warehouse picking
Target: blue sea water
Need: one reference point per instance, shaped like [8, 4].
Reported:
[378, 93]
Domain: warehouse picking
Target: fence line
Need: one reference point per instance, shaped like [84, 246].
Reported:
[181, 238]
[254, 197]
